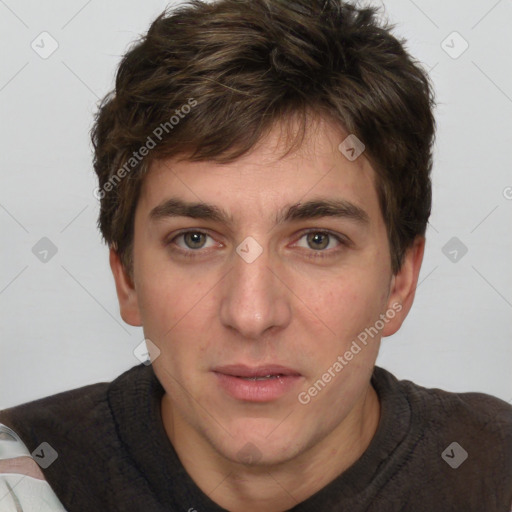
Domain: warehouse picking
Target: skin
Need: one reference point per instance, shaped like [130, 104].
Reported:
[290, 307]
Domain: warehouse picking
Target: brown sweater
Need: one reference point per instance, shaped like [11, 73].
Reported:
[434, 451]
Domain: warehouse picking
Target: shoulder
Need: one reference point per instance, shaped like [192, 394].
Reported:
[461, 443]
[64, 418]
[69, 410]
[22, 483]
[67, 403]
[480, 426]
[68, 431]
[479, 411]
[56, 415]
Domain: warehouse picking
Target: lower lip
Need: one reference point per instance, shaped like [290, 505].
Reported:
[257, 390]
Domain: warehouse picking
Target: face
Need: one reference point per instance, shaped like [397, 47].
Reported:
[264, 304]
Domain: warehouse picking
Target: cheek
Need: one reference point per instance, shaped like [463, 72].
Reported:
[342, 311]
[166, 310]
[346, 303]
[178, 315]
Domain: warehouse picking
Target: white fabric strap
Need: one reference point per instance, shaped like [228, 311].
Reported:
[22, 484]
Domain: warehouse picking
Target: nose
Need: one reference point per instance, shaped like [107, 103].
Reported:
[255, 300]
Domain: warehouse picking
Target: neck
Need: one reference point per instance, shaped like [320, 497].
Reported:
[237, 487]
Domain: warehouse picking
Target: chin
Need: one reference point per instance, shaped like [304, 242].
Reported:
[267, 449]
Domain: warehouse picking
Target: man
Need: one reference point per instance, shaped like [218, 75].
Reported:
[264, 182]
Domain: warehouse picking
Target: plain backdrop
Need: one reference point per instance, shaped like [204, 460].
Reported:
[60, 323]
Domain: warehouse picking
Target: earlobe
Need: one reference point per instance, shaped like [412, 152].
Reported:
[403, 286]
[126, 292]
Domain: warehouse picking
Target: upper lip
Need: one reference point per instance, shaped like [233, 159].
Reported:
[241, 370]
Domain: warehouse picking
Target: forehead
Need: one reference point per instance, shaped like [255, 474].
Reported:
[262, 181]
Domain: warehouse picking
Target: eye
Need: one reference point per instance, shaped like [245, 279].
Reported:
[192, 240]
[321, 241]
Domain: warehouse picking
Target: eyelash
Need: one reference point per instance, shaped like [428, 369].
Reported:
[195, 253]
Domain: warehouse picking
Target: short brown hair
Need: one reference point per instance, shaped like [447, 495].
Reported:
[211, 79]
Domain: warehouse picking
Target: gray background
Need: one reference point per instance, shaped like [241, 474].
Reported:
[60, 326]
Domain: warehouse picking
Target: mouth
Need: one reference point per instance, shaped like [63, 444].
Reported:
[263, 378]
[256, 384]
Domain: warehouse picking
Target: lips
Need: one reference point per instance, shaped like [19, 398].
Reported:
[256, 383]
[243, 371]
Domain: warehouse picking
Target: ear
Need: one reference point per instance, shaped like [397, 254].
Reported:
[403, 287]
[126, 293]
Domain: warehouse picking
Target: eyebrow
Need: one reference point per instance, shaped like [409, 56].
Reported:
[313, 209]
